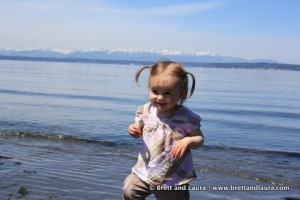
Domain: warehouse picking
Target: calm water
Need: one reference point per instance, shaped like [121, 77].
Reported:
[64, 126]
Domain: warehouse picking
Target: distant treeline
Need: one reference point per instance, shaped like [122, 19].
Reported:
[190, 64]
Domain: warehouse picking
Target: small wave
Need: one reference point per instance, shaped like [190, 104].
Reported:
[4, 157]
[70, 138]
[251, 126]
[251, 113]
[69, 96]
[252, 150]
[65, 138]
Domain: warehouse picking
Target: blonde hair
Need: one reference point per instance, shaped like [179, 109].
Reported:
[174, 69]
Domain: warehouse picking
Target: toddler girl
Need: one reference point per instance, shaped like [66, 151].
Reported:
[169, 131]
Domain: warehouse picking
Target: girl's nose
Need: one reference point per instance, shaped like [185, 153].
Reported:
[160, 97]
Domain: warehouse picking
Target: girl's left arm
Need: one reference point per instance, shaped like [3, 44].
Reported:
[194, 140]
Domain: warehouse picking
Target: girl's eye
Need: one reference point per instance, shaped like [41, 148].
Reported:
[154, 91]
[168, 93]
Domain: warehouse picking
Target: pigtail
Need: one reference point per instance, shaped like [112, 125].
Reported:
[193, 84]
[187, 94]
[137, 75]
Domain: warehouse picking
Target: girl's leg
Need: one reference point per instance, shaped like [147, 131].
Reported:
[135, 188]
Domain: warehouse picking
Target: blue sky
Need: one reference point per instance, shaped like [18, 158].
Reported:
[255, 29]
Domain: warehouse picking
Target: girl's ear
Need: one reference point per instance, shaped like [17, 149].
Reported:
[183, 95]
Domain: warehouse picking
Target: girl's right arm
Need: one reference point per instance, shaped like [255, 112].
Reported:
[135, 130]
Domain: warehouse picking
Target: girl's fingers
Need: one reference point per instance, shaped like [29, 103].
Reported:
[175, 152]
[134, 131]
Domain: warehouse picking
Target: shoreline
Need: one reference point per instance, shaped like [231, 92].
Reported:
[35, 168]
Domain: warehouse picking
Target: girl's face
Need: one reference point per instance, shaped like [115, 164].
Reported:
[165, 92]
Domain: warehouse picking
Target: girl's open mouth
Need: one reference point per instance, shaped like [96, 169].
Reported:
[160, 104]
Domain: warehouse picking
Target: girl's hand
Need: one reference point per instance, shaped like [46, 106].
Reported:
[180, 147]
[135, 130]
[194, 140]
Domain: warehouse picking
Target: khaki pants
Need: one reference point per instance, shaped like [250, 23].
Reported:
[136, 189]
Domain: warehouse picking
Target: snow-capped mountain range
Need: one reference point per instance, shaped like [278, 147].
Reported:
[105, 53]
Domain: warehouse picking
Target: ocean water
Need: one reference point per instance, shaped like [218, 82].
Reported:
[63, 130]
